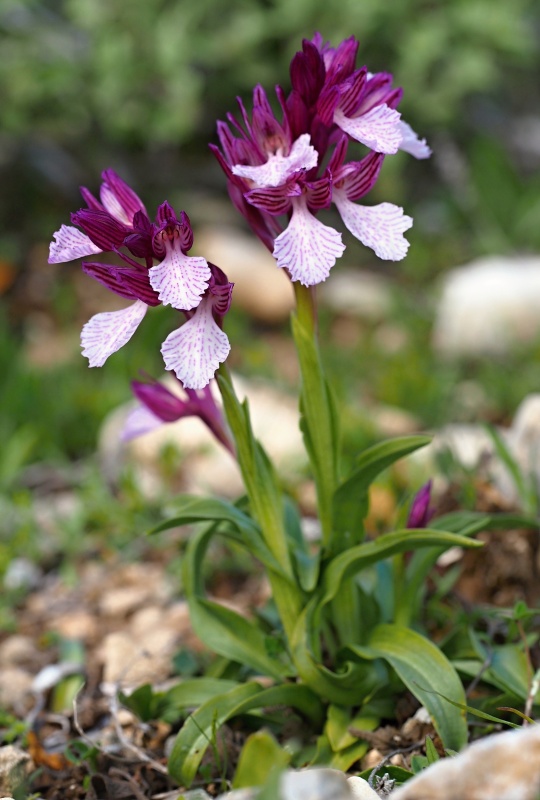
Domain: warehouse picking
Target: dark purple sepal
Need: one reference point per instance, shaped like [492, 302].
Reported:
[394, 98]
[160, 401]
[91, 201]
[220, 289]
[131, 203]
[353, 92]
[359, 177]
[105, 231]
[124, 281]
[327, 103]
[140, 241]
[378, 90]
[258, 222]
[298, 115]
[339, 154]
[342, 61]
[274, 200]
[307, 73]
[319, 193]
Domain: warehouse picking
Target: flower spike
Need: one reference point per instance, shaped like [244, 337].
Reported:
[118, 223]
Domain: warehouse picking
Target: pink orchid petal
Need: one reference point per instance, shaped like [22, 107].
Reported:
[139, 420]
[278, 168]
[379, 227]
[412, 144]
[70, 243]
[378, 129]
[180, 280]
[107, 332]
[196, 350]
[307, 248]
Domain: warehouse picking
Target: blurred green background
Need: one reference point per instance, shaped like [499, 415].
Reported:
[138, 86]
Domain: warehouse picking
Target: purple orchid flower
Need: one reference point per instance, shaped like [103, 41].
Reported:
[274, 169]
[157, 405]
[363, 104]
[119, 222]
[420, 512]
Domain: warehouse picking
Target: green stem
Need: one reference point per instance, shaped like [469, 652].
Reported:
[265, 501]
[306, 309]
[319, 421]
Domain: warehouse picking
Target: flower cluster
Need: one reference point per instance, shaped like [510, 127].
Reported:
[118, 223]
[298, 166]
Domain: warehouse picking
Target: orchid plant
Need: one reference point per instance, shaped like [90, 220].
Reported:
[346, 636]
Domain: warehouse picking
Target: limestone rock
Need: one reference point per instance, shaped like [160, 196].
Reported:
[13, 766]
[361, 790]
[505, 766]
[314, 784]
[488, 306]
[359, 293]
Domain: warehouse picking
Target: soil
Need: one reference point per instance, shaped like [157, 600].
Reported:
[130, 622]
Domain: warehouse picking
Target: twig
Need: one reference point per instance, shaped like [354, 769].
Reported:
[114, 708]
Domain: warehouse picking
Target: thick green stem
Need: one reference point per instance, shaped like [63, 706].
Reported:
[306, 308]
[319, 420]
[265, 501]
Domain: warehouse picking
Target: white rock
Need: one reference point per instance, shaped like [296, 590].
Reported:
[260, 287]
[472, 446]
[22, 574]
[314, 784]
[501, 767]
[13, 766]
[488, 305]
[361, 790]
[357, 292]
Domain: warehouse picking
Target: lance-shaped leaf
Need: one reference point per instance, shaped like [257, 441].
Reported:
[199, 729]
[236, 525]
[355, 681]
[350, 504]
[424, 669]
[222, 629]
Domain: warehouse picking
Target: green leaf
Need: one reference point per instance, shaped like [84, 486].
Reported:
[424, 669]
[240, 527]
[194, 692]
[306, 563]
[196, 734]
[363, 555]
[355, 682]
[476, 712]
[339, 720]
[350, 501]
[431, 751]
[352, 685]
[260, 755]
[508, 667]
[222, 629]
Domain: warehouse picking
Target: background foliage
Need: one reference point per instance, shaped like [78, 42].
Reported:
[86, 84]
